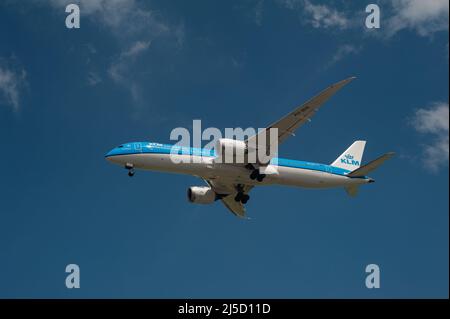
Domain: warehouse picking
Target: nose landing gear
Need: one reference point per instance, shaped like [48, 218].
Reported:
[130, 168]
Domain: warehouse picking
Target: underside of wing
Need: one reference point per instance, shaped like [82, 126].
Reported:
[228, 191]
[288, 124]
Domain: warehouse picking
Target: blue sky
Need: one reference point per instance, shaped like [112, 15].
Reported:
[137, 69]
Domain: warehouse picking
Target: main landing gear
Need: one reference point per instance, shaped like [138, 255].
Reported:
[130, 168]
[255, 173]
[241, 196]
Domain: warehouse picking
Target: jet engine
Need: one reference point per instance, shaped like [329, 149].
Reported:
[231, 151]
[201, 195]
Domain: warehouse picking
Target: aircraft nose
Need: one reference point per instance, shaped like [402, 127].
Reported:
[109, 154]
[371, 180]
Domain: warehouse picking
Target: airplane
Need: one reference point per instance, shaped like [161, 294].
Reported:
[232, 182]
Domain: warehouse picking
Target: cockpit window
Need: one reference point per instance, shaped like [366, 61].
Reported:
[120, 146]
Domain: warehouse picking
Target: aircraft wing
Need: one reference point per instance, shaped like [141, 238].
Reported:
[229, 191]
[288, 124]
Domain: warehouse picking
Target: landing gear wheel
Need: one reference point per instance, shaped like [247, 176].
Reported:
[130, 168]
[250, 167]
[254, 174]
[260, 177]
[241, 197]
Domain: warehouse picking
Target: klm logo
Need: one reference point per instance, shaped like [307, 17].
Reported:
[348, 159]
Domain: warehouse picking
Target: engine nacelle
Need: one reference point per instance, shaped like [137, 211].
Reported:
[201, 195]
[231, 151]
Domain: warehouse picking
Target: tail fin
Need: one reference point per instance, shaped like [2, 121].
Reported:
[352, 157]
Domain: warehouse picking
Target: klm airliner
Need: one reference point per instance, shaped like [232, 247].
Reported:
[232, 182]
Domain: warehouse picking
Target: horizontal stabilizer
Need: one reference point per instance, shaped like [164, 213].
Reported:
[364, 170]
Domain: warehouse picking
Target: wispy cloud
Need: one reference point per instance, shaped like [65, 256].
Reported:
[433, 121]
[258, 12]
[318, 15]
[323, 16]
[344, 51]
[119, 70]
[136, 49]
[135, 25]
[12, 81]
[122, 17]
[424, 17]
[93, 79]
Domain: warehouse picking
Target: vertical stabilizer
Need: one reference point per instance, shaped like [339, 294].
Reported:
[352, 157]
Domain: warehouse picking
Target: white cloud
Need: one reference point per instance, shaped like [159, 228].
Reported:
[136, 49]
[318, 15]
[343, 51]
[93, 79]
[258, 12]
[434, 121]
[123, 17]
[322, 16]
[423, 16]
[290, 4]
[12, 80]
[119, 70]
[135, 26]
